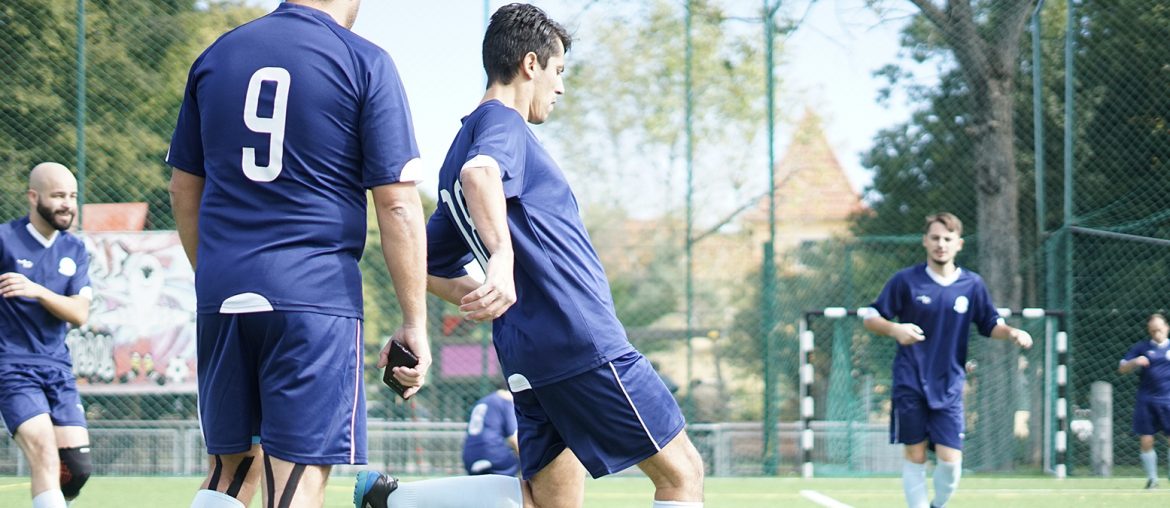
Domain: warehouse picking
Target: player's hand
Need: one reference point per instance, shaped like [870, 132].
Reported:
[497, 293]
[907, 333]
[1141, 361]
[13, 284]
[1022, 338]
[415, 339]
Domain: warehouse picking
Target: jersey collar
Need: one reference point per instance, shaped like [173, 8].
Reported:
[939, 279]
[45, 242]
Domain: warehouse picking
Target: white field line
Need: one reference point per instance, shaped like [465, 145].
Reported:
[13, 486]
[822, 499]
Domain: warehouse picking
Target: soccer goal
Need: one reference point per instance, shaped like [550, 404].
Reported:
[1016, 400]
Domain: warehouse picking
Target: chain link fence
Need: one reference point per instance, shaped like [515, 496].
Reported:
[1063, 198]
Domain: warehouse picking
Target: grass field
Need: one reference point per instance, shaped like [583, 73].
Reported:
[633, 492]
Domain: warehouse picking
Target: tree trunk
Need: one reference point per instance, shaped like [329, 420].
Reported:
[998, 221]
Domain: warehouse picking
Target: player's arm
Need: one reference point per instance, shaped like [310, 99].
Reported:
[451, 290]
[483, 190]
[1020, 337]
[71, 309]
[186, 194]
[1134, 360]
[905, 333]
[514, 443]
[404, 247]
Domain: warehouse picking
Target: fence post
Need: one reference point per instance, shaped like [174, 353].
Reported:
[1101, 445]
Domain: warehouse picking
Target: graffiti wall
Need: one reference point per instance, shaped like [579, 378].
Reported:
[141, 332]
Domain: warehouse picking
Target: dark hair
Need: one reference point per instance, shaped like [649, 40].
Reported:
[948, 220]
[514, 31]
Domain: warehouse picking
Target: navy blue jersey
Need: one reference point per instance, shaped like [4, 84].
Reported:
[30, 334]
[289, 119]
[1155, 379]
[563, 322]
[934, 368]
[492, 421]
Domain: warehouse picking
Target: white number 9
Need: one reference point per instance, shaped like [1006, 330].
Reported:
[274, 126]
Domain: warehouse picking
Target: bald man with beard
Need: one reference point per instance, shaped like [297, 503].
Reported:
[44, 285]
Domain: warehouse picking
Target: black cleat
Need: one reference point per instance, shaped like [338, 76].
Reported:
[1152, 483]
[372, 488]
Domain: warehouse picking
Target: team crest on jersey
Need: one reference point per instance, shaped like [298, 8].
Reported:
[24, 263]
[961, 304]
[923, 299]
[67, 267]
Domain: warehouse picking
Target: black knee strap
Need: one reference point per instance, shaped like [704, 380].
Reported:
[76, 467]
[290, 487]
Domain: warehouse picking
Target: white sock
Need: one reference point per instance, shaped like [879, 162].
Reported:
[677, 504]
[914, 484]
[212, 499]
[497, 491]
[1150, 464]
[946, 480]
[49, 499]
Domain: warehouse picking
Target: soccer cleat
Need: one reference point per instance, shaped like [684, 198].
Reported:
[372, 488]
[1151, 484]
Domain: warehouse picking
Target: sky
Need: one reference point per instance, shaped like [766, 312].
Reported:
[828, 65]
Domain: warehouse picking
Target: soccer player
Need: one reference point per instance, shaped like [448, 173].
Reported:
[45, 285]
[585, 399]
[1151, 410]
[286, 122]
[491, 445]
[934, 304]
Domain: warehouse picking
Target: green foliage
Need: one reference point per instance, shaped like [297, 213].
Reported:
[137, 54]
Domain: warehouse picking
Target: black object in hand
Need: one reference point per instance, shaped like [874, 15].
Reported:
[399, 357]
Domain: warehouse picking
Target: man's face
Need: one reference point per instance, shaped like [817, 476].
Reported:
[58, 207]
[548, 85]
[941, 244]
[1158, 329]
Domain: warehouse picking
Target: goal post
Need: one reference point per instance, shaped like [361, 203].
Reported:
[843, 396]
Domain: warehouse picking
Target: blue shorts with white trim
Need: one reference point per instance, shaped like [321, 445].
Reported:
[292, 378]
[611, 417]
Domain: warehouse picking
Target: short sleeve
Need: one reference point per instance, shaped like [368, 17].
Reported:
[389, 151]
[447, 253]
[986, 315]
[889, 302]
[186, 151]
[79, 282]
[1134, 352]
[502, 135]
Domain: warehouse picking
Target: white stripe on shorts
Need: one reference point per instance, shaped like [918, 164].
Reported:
[357, 373]
[635, 408]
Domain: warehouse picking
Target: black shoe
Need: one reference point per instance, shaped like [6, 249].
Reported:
[1151, 484]
[372, 488]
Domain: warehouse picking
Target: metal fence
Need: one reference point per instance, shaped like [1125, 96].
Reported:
[1061, 180]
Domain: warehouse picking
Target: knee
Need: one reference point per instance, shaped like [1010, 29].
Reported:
[685, 472]
[75, 470]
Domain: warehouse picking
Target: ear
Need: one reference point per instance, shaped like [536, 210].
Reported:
[529, 65]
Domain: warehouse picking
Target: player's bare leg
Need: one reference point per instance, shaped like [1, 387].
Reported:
[39, 442]
[677, 472]
[290, 485]
[231, 476]
[560, 484]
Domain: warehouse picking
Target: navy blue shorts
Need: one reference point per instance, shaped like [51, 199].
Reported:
[612, 417]
[30, 390]
[1151, 417]
[292, 378]
[912, 421]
